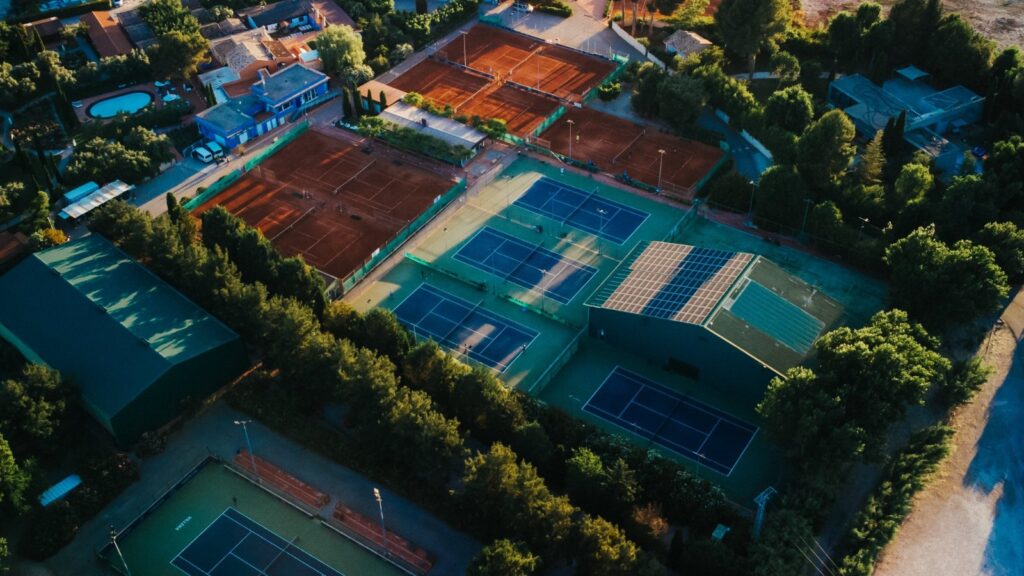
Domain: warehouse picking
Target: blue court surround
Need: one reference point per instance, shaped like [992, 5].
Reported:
[584, 210]
[674, 421]
[529, 265]
[236, 545]
[485, 336]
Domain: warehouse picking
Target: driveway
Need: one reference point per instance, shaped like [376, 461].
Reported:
[581, 30]
[213, 433]
[746, 159]
[182, 178]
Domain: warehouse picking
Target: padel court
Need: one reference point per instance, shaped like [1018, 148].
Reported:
[583, 210]
[529, 265]
[464, 327]
[235, 545]
[671, 420]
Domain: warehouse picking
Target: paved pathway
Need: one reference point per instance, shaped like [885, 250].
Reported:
[581, 30]
[213, 433]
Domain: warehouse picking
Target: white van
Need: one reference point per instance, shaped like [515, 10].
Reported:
[202, 154]
[215, 149]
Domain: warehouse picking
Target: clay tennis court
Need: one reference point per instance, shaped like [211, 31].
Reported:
[617, 145]
[529, 61]
[329, 201]
[471, 94]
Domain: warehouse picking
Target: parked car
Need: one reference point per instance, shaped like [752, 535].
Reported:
[202, 154]
[216, 149]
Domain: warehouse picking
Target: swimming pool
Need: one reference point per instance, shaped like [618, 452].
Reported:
[129, 102]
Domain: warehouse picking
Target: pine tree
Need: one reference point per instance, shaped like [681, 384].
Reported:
[872, 162]
[346, 103]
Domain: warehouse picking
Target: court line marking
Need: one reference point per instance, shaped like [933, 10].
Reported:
[547, 276]
[664, 440]
[521, 329]
[284, 550]
[611, 203]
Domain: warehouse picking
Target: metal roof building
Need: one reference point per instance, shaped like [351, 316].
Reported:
[137, 349]
[447, 130]
[711, 314]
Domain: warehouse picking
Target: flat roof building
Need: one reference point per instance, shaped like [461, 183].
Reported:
[712, 315]
[137, 349]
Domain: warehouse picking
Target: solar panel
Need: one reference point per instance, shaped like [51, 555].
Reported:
[676, 281]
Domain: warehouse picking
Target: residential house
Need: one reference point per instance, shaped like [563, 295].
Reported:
[271, 102]
[250, 51]
[295, 16]
[222, 29]
[106, 35]
[48, 29]
[932, 113]
[686, 43]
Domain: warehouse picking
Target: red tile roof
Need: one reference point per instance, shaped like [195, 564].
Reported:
[106, 34]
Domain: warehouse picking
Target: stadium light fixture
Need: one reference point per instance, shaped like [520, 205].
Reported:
[383, 529]
[252, 457]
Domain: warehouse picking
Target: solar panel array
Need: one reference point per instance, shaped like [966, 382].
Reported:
[677, 282]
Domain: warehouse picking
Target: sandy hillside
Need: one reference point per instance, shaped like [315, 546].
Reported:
[1001, 20]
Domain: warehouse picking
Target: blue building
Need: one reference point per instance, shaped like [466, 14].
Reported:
[273, 100]
[932, 114]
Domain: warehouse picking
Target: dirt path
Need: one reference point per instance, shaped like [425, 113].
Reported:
[967, 522]
[1000, 20]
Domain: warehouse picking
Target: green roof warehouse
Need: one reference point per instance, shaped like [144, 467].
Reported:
[137, 349]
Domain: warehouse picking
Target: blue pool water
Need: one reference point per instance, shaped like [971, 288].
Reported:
[129, 102]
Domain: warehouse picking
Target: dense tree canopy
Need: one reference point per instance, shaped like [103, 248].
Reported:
[504, 558]
[941, 284]
[341, 49]
[791, 108]
[747, 26]
[826, 149]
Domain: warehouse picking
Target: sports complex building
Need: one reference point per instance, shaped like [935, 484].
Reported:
[137, 349]
[729, 318]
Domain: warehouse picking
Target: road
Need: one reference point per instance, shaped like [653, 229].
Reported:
[970, 520]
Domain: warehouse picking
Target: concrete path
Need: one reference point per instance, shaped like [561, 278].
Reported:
[581, 30]
[213, 432]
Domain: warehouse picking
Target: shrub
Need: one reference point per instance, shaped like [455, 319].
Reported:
[556, 7]
[609, 91]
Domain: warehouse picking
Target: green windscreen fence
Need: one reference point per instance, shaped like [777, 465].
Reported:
[216, 188]
[281, 141]
[231, 177]
[558, 113]
[384, 252]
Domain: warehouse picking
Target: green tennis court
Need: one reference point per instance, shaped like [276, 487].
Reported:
[156, 545]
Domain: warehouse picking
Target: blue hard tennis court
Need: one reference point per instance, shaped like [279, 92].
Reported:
[671, 420]
[529, 265]
[236, 545]
[583, 210]
[461, 325]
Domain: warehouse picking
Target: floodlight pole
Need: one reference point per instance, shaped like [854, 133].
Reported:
[113, 540]
[252, 457]
[661, 160]
[803, 224]
[465, 61]
[570, 123]
[383, 530]
[860, 231]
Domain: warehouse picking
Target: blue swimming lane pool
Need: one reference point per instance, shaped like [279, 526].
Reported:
[128, 103]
